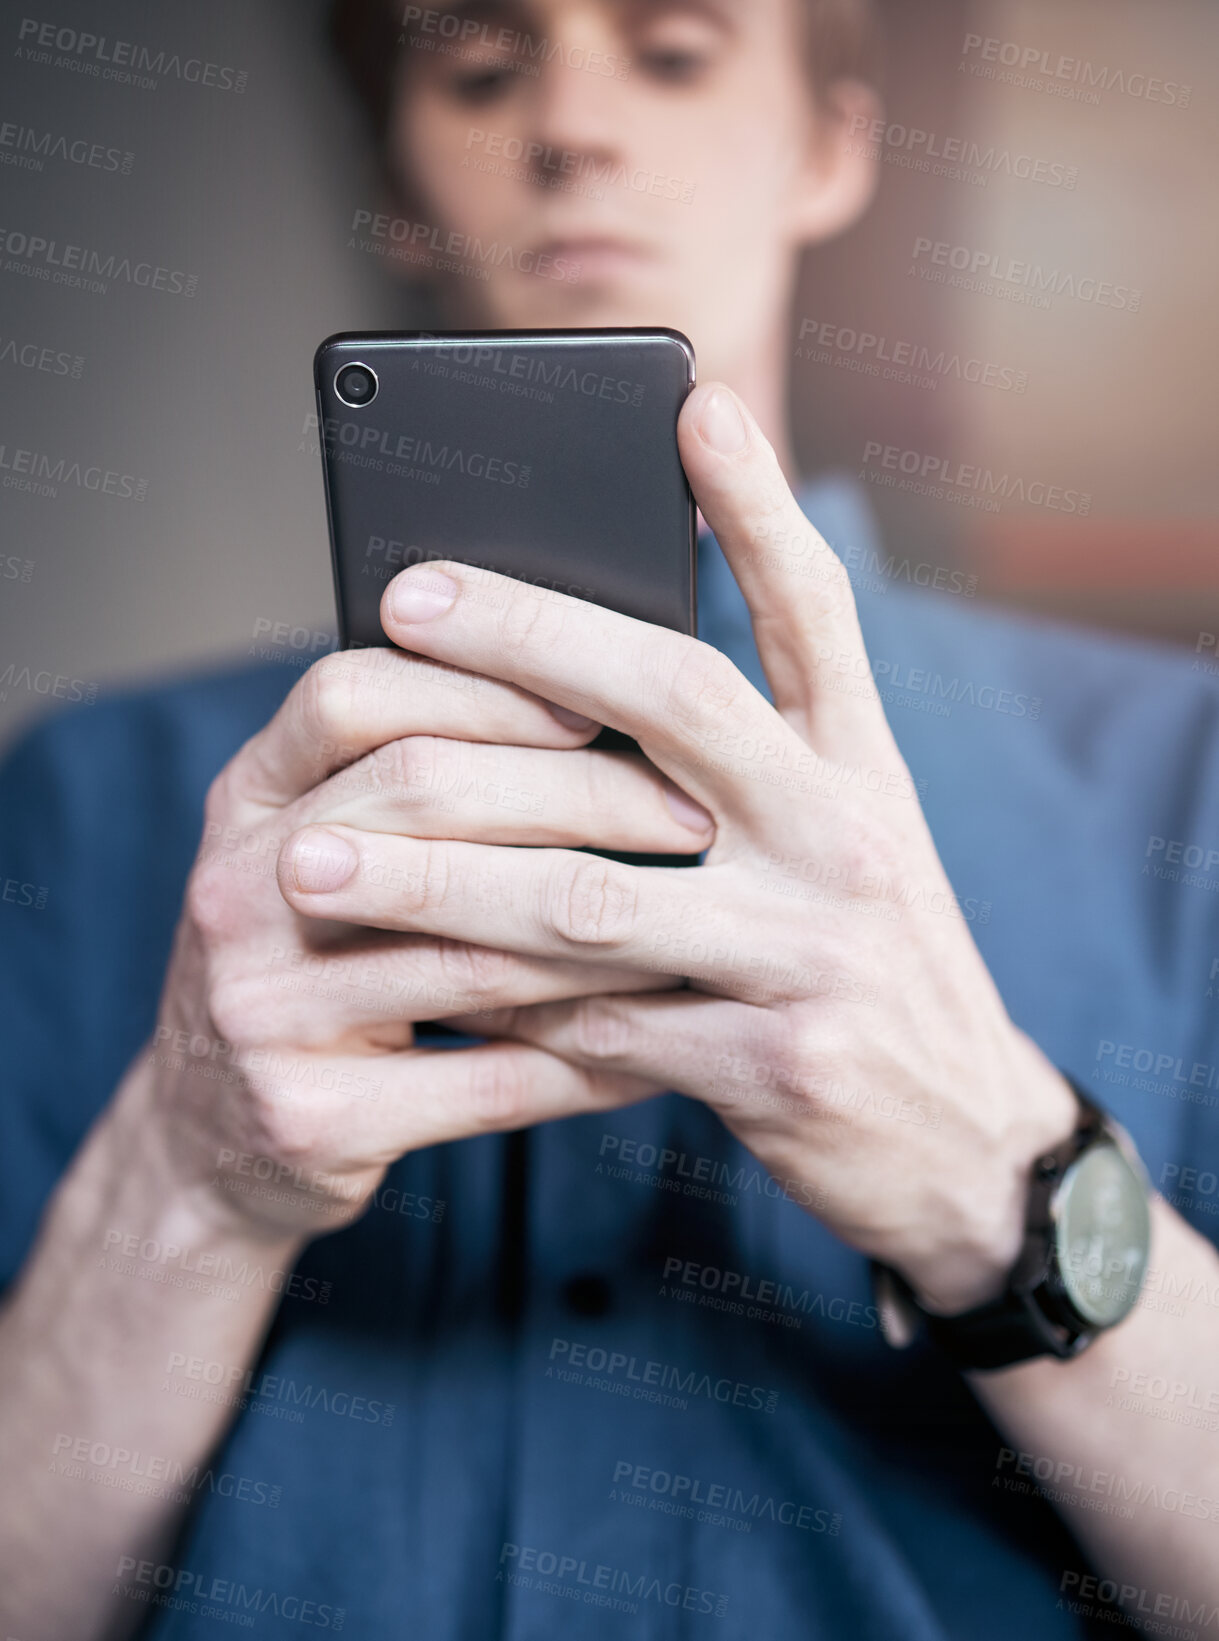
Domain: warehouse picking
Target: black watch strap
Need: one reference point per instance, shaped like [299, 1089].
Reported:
[998, 1334]
[1032, 1317]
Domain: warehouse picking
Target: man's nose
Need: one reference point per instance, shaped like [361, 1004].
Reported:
[577, 106]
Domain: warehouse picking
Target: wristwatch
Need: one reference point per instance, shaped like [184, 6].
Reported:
[1086, 1241]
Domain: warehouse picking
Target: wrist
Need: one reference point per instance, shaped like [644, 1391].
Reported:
[971, 1250]
[177, 1182]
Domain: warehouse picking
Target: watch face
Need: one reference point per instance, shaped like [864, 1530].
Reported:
[1103, 1235]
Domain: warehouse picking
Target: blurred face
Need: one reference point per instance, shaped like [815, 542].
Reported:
[621, 162]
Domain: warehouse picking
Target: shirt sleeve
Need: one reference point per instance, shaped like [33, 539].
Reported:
[44, 999]
[100, 816]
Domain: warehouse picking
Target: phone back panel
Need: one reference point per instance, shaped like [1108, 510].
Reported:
[548, 456]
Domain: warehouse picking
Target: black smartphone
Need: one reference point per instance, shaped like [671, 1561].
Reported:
[550, 456]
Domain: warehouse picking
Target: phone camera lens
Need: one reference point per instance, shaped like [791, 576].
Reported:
[356, 385]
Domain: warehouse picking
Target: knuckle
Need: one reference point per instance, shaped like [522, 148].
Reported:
[420, 763]
[775, 511]
[776, 519]
[408, 878]
[214, 902]
[526, 620]
[392, 771]
[836, 606]
[328, 694]
[792, 1051]
[238, 1007]
[378, 774]
[600, 1031]
[834, 593]
[704, 685]
[427, 887]
[471, 973]
[592, 902]
[835, 580]
[285, 1124]
[600, 790]
[499, 1091]
[869, 851]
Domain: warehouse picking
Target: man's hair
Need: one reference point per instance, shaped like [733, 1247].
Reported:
[367, 37]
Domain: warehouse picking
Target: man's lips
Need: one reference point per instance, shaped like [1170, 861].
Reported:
[597, 255]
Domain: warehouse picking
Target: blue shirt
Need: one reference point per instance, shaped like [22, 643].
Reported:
[495, 1407]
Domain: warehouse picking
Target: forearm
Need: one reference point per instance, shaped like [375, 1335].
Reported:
[86, 1340]
[1137, 1483]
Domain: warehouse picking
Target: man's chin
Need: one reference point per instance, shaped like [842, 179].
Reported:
[585, 305]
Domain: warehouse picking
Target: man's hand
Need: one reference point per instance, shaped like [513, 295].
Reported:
[837, 1013]
[290, 1041]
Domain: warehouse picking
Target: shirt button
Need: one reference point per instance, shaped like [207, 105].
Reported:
[587, 1294]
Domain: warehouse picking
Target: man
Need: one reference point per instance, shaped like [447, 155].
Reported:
[622, 1372]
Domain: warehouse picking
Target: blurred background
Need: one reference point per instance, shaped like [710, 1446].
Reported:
[1016, 352]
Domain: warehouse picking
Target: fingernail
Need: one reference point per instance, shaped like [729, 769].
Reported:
[570, 719]
[685, 809]
[321, 861]
[721, 423]
[418, 595]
